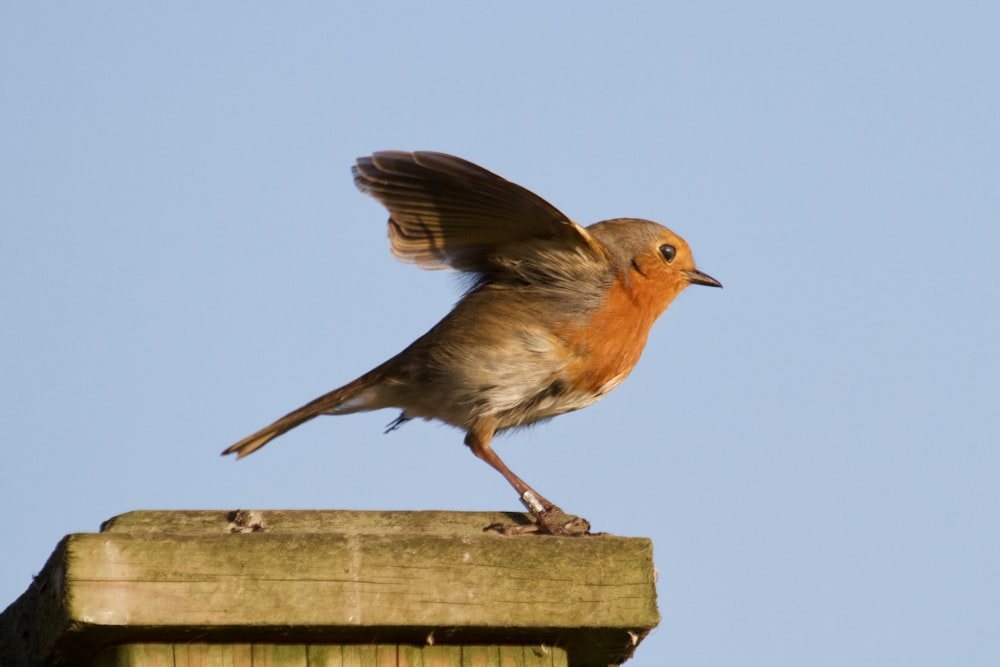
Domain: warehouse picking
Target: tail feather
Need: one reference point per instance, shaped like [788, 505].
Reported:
[352, 397]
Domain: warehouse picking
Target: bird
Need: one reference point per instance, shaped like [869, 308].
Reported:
[556, 314]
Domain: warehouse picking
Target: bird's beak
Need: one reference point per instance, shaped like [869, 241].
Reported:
[696, 277]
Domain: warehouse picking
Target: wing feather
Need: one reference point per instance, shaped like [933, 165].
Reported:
[448, 212]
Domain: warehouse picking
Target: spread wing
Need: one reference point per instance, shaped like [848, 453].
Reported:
[447, 212]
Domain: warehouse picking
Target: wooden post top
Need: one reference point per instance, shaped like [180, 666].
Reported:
[332, 577]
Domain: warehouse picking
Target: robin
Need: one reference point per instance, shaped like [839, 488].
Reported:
[556, 317]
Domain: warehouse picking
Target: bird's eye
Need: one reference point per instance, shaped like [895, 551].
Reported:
[668, 252]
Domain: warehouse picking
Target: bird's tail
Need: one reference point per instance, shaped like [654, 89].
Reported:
[356, 396]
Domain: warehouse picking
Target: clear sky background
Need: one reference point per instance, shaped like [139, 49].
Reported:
[814, 450]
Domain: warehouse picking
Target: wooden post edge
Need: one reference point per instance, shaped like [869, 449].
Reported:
[324, 577]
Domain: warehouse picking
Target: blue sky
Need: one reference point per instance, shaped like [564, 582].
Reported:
[813, 449]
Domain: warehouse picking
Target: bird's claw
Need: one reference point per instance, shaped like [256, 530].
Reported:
[550, 522]
[557, 522]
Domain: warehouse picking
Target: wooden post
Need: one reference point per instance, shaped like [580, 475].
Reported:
[311, 588]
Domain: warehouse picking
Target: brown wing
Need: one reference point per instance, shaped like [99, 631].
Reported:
[447, 212]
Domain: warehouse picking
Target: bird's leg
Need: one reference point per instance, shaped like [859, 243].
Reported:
[549, 518]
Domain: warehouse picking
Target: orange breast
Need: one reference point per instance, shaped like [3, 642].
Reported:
[608, 347]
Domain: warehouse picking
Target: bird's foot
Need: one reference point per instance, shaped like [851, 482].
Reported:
[557, 522]
[549, 520]
[554, 522]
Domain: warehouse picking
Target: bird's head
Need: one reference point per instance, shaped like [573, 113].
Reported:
[653, 261]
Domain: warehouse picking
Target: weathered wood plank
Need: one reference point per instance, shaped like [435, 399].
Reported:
[542, 656]
[408, 655]
[442, 656]
[325, 655]
[278, 655]
[322, 580]
[480, 656]
[357, 578]
[200, 654]
[513, 656]
[339, 522]
[151, 655]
